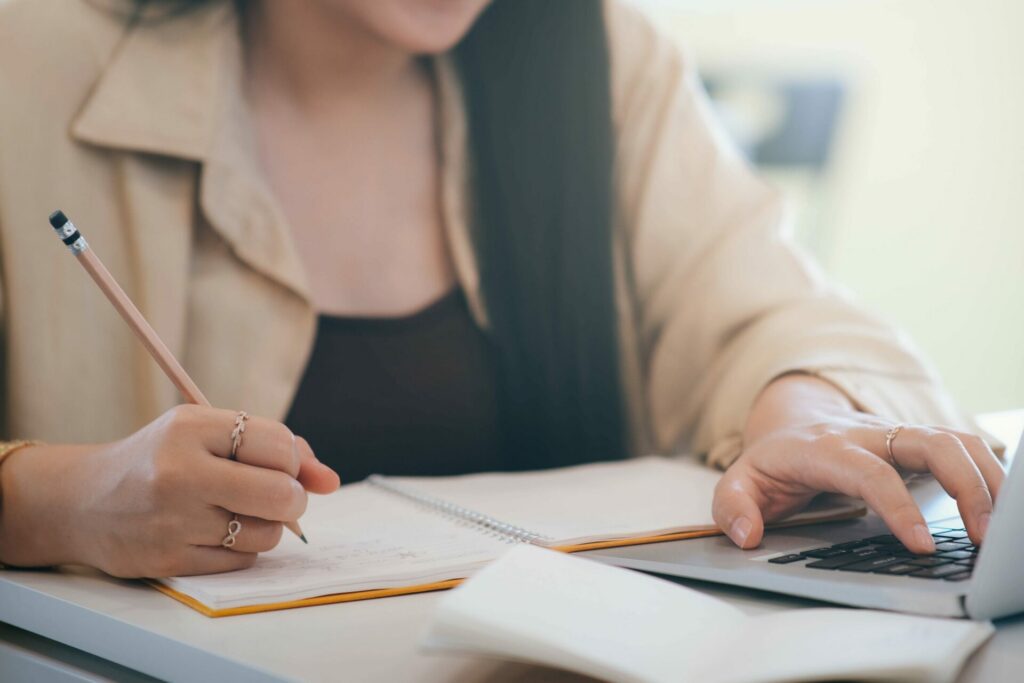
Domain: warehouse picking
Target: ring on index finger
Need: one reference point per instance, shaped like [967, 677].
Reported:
[237, 432]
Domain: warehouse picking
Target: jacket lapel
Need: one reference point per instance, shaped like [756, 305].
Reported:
[174, 89]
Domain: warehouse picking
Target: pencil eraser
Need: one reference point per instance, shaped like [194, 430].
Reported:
[58, 219]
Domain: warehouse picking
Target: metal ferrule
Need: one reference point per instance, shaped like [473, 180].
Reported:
[78, 246]
[70, 236]
[66, 230]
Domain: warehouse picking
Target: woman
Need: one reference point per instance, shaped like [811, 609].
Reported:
[430, 237]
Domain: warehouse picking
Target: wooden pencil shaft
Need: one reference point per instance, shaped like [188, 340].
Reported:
[142, 329]
[149, 338]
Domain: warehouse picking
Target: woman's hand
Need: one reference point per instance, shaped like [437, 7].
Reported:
[158, 503]
[804, 437]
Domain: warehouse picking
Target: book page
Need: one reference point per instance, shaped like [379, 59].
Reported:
[601, 501]
[615, 624]
[848, 644]
[360, 538]
[551, 608]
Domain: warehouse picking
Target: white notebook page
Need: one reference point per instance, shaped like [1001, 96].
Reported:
[360, 538]
[600, 501]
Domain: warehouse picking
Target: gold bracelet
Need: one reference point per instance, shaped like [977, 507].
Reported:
[8, 447]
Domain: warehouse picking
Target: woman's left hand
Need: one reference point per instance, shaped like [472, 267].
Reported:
[804, 437]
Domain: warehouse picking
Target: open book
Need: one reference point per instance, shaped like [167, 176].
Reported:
[620, 625]
[393, 535]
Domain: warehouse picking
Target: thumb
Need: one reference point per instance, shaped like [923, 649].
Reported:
[314, 476]
[735, 510]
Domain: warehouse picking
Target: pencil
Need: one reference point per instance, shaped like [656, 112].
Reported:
[69, 235]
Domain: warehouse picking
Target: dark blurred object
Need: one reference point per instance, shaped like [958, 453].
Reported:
[780, 122]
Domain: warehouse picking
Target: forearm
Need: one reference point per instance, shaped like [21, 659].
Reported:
[37, 487]
[792, 400]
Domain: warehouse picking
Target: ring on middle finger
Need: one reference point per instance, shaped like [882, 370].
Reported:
[890, 436]
[237, 432]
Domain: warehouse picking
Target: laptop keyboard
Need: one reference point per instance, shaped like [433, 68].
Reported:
[953, 559]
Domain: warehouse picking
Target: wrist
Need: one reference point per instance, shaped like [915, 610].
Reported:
[793, 400]
[37, 507]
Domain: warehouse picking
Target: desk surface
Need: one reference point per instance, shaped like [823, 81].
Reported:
[133, 626]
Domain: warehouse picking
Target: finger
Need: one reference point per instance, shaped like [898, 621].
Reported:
[265, 443]
[315, 476]
[925, 449]
[858, 472]
[204, 560]
[254, 491]
[268, 443]
[256, 535]
[986, 460]
[735, 509]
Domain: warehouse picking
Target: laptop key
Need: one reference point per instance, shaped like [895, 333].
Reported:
[897, 569]
[948, 546]
[836, 562]
[938, 572]
[886, 539]
[951, 533]
[962, 576]
[786, 559]
[928, 561]
[850, 545]
[822, 553]
[956, 555]
[871, 564]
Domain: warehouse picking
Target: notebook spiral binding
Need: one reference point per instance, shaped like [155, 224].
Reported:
[509, 533]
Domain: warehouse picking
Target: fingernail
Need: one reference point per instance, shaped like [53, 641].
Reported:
[983, 521]
[740, 530]
[923, 538]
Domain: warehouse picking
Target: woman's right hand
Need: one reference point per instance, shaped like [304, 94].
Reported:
[158, 502]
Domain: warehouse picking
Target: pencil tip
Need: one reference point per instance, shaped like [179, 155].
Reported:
[303, 538]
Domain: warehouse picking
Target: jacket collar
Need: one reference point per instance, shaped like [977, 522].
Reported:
[174, 88]
[159, 91]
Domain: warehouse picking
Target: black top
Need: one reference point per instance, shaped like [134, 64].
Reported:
[413, 395]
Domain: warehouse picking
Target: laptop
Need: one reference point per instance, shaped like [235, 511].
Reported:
[859, 563]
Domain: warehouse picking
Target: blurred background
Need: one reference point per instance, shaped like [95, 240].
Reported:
[896, 130]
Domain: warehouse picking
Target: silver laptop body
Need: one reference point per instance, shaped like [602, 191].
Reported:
[995, 587]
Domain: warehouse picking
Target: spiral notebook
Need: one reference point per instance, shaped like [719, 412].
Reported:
[395, 535]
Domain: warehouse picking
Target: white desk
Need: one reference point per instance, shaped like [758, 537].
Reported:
[80, 625]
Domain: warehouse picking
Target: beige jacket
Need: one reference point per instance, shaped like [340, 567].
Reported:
[142, 139]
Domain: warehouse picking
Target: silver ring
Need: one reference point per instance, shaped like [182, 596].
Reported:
[234, 528]
[889, 436]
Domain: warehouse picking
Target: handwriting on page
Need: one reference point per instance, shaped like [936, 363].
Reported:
[359, 538]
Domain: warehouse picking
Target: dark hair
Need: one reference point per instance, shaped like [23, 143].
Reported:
[536, 82]
[536, 79]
